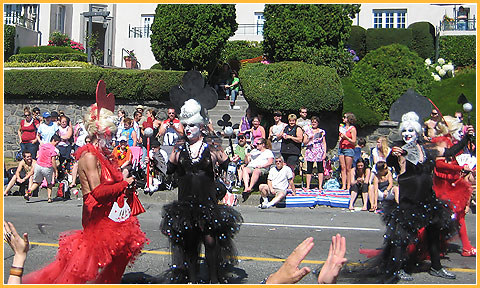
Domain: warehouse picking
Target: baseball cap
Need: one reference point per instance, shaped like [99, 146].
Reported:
[46, 114]
[54, 114]
[122, 138]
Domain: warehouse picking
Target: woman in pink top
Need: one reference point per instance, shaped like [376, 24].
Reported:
[257, 130]
[348, 138]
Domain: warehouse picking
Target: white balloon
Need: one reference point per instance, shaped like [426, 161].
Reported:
[467, 107]
[148, 132]
[228, 131]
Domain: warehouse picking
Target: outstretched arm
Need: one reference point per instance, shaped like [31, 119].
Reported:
[20, 247]
[335, 260]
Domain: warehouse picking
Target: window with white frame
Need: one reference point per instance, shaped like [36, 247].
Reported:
[60, 19]
[12, 13]
[389, 18]
[260, 20]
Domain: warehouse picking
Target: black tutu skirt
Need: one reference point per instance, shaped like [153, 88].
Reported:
[184, 220]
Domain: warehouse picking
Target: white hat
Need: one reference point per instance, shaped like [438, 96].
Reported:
[190, 113]
[122, 138]
[140, 107]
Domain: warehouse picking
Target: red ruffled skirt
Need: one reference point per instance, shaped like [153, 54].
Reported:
[98, 254]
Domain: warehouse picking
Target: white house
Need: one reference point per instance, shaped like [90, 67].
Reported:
[126, 26]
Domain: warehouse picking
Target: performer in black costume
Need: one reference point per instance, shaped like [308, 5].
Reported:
[196, 217]
[418, 207]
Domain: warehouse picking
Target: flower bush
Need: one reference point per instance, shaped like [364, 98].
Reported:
[77, 46]
[441, 69]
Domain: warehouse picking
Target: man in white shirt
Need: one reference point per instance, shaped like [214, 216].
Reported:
[47, 129]
[279, 179]
[258, 162]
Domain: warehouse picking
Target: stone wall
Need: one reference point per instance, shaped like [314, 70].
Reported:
[74, 109]
[387, 129]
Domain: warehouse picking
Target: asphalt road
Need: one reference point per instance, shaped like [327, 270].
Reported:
[266, 238]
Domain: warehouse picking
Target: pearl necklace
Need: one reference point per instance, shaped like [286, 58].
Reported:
[198, 156]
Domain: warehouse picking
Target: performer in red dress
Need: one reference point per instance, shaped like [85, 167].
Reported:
[111, 237]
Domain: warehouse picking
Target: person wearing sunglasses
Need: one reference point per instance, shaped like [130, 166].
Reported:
[170, 129]
[435, 126]
[279, 179]
[27, 133]
[276, 131]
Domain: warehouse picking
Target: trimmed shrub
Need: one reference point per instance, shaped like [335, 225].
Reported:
[423, 39]
[47, 49]
[292, 85]
[45, 57]
[355, 103]
[383, 75]
[156, 66]
[65, 83]
[8, 41]
[461, 50]
[54, 63]
[377, 38]
[340, 60]
[358, 41]
[241, 49]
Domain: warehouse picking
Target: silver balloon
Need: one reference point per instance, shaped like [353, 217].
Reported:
[148, 132]
[467, 107]
[228, 131]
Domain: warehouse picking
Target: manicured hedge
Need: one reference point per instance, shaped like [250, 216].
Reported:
[81, 83]
[8, 41]
[358, 41]
[291, 85]
[423, 41]
[54, 63]
[377, 38]
[383, 75]
[339, 59]
[241, 49]
[461, 50]
[47, 49]
[45, 57]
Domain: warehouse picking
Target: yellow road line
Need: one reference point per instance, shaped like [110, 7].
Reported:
[465, 270]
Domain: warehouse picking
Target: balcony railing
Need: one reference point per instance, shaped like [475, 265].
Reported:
[16, 19]
[458, 25]
[139, 32]
[249, 29]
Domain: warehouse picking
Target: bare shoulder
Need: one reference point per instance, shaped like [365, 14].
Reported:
[88, 159]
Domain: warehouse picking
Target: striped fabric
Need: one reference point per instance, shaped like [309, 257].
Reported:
[313, 197]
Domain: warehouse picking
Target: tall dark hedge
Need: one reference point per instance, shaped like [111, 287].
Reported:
[423, 39]
[47, 49]
[383, 75]
[8, 41]
[358, 41]
[191, 36]
[377, 38]
[290, 85]
[461, 50]
[241, 49]
[291, 26]
[81, 83]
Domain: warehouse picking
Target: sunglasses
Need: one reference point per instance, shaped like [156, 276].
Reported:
[27, 115]
[191, 125]
[241, 138]
[278, 161]
[434, 114]
[277, 115]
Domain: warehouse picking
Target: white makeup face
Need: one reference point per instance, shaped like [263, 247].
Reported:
[409, 134]
[192, 131]
[458, 135]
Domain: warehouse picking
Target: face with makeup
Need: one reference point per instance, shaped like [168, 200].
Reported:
[409, 134]
[192, 131]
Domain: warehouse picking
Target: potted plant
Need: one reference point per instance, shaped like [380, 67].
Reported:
[130, 60]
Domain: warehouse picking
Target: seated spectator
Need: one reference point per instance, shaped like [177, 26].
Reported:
[359, 153]
[46, 167]
[232, 88]
[123, 155]
[379, 153]
[158, 164]
[258, 162]
[239, 153]
[359, 184]
[23, 175]
[382, 187]
[246, 124]
[27, 133]
[280, 177]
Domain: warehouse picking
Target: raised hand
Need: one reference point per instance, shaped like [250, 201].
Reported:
[335, 260]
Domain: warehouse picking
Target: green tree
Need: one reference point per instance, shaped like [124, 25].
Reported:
[8, 41]
[192, 36]
[289, 27]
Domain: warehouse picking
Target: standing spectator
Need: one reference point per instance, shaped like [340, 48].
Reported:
[129, 132]
[291, 143]
[382, 187]
[257, 131]
[233, 88]
[141, 110]
[359, 153]
[27, 133]
[55, 117]
[79, 135]
[120, 124]
[151, 122]
[348, 140]
[315, 151]
[381, 151]
[462, 19]
[64, 147]
[47, 129]
[122, 154]
[303, 120]
[36, 114]
[246, 124]
[279, 179]
[23, 175]
[434, 126]
[137, 117]
[46, 167]
[359, 184]
[258, 162]
[171, 129]
[276, 131]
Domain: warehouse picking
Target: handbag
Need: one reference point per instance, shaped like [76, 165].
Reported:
[120, 214]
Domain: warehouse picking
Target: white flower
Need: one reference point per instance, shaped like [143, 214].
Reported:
[441, 61]
[450, 63]
[448, 67]
[438, 68]
[433, 74]
[442, 72]
[428, 61]
[436, 77]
